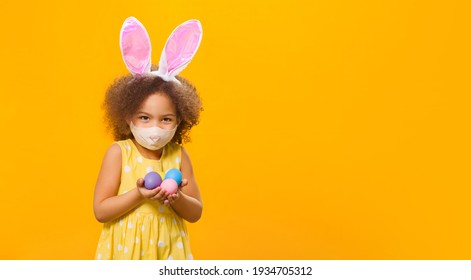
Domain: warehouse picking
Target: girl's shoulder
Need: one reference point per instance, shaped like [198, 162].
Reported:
[124, 145]
[121, 148]
[112, 156]
[173, 147]
[172, 155]
[173, 150]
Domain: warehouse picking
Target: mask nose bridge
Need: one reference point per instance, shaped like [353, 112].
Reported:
[155, 135]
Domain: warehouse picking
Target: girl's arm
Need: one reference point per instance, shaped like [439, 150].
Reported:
[107, 205]
[188, 203]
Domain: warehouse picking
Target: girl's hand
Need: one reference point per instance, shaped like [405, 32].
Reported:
[174, 197]
[155, 194]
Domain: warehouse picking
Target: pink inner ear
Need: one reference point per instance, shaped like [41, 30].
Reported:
[135, 46]
[182, 44]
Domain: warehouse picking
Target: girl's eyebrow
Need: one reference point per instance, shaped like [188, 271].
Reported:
[165, 115]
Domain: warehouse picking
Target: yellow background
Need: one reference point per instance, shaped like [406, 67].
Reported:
[332, 129]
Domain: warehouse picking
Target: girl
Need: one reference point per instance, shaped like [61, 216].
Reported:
[150, 114]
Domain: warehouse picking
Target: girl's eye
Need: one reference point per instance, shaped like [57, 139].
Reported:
[144, 118]
[167, 119]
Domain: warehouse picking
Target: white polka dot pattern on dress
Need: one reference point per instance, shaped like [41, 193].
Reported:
[143, 234]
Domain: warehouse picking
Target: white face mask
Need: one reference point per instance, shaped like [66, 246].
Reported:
[152, 138]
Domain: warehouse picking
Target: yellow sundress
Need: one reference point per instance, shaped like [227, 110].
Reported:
[152, 231]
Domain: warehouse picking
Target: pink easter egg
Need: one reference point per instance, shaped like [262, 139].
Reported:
[170, 186]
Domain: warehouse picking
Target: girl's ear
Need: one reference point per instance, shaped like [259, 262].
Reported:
[135, 46]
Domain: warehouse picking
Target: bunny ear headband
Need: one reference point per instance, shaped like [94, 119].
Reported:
[180, 48]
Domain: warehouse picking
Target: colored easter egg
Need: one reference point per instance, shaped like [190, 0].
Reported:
[152, 180]
[174, 174]
[170, 186]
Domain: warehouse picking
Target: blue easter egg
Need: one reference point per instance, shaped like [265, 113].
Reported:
[174, 174]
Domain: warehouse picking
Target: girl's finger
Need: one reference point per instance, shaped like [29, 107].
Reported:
[172, 198]
[140, 182]
[159, 194]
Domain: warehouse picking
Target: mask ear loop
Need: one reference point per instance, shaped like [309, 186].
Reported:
[135, 47]
[179, 50]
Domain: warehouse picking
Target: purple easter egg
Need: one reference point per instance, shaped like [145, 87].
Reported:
[170, 186]
[152, 180]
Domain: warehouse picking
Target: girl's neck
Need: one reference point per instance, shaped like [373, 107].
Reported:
[149, 154]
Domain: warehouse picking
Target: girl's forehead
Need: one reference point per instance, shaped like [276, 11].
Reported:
[158, 102]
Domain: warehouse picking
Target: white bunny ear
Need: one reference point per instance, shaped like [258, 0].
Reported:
[135, 46]
[180, 48]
